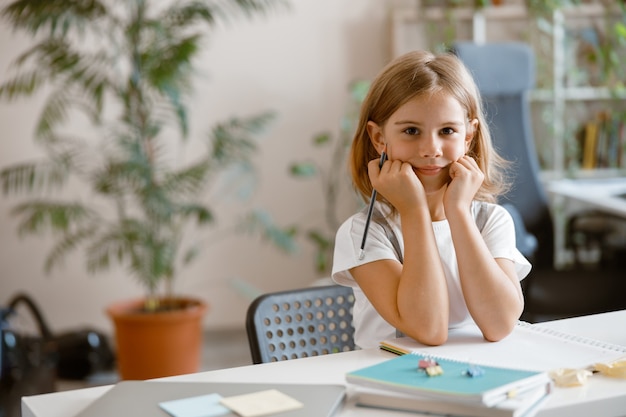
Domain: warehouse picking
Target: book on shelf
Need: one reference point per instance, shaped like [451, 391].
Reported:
[602, 142]
[403, 374]
[525, 404]
[590, 140]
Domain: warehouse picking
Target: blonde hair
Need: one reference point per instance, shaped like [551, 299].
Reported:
[414, 74]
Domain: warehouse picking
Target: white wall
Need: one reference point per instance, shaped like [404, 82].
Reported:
[297, 62]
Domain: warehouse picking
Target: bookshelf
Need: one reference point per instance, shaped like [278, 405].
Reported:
[570, 94]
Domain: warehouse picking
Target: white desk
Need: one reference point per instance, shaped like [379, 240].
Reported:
[601, 397]
[607, 327]
[601, 194]
[569, 196]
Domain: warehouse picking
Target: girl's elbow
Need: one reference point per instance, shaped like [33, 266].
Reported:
[494, 337]
[436, 340]
[499, 329]
[431, 338]
[499, 333]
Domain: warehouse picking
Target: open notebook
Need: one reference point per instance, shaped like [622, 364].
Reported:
[528, 347]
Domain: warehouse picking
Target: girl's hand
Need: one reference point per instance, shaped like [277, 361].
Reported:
[466, 179]
[397, 182]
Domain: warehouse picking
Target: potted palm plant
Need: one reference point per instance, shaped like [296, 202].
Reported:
[126, 67]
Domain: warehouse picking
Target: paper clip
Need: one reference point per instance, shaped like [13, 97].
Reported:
[474, 371]
[430, 366]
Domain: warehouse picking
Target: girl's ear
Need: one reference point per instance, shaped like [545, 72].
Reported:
[376, 136]
[472, 127]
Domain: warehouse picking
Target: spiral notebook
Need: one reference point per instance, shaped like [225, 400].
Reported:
[401, 374]
[528, 347]
[523, 405]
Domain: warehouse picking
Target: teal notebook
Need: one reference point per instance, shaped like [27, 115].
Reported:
[402, 374]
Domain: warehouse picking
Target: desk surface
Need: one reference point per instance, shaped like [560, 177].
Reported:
[602, 396]
[607, 194]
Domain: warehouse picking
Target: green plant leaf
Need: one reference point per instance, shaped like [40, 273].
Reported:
[359, 89]
[188, 180]
[201, 213]
[319, 239]
[57, 15]
[321, 139]
[55, 112]
[232, 141]
[23, 84]
[34, 177]
[39, 215]
[303, 169]
[260, 222]
[69, 242]
[321, 261]
[182, 16]
[191, 255]
[130, 81]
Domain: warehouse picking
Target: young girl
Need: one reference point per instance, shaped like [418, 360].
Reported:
[457, 260]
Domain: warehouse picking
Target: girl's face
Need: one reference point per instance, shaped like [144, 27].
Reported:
[429, 132]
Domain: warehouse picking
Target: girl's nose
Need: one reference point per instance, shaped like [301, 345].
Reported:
[430, 147]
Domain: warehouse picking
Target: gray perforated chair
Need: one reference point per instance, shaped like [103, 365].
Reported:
[300, 323]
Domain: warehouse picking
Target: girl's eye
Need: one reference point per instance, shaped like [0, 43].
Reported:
[447, 131]
[411, 131]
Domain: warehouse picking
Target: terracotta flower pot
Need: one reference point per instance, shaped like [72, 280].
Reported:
[154, 345]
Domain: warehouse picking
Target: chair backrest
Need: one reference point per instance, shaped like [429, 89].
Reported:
[299, 323]
[505, 73]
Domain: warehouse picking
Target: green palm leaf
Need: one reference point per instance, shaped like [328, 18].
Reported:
[126, 67]
[67, 243]
[39, 215]
[56, 15]
[35, 176]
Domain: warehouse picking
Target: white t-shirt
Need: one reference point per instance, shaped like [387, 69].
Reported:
[497, 229]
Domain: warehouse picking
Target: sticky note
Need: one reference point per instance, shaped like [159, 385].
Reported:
[200, 406]
[261, 403]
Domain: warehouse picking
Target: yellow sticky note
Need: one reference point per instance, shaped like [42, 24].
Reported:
[261, 403]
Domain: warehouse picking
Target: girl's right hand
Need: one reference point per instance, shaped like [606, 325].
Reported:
[397, 182]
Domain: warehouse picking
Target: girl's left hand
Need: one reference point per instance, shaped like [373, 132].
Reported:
[466, 179]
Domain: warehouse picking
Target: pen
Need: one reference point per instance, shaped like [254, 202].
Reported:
[370, 210]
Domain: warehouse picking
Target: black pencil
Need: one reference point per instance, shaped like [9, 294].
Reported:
[370, 210]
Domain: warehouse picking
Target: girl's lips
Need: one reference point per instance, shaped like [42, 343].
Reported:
[429, 170]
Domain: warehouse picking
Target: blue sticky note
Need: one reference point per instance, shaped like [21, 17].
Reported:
[200, 406]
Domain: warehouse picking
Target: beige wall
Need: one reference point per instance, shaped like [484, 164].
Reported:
[298, 63]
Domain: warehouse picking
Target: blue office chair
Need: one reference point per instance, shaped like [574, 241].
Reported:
[300, 323]
[505, 73]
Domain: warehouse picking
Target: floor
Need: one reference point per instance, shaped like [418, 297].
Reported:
[222, 349]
